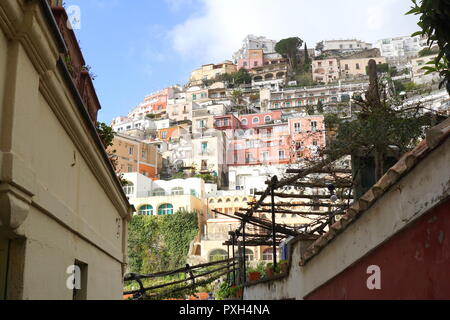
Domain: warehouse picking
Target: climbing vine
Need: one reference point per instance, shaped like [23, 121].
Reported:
[160, 243]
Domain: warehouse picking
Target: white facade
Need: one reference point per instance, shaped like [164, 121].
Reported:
[250, 179]
[124, 124]
[346, 45]
[252, 42]
[142, 187]
[401, 47]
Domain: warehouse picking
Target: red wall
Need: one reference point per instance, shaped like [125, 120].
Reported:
[415, 264]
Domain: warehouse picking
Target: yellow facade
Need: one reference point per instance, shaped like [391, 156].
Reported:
[357, 67]
[210, 71]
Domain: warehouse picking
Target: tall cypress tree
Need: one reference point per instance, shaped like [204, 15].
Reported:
[307, 63]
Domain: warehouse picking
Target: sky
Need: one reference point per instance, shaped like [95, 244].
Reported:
[138, 49]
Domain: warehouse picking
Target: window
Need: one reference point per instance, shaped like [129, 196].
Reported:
[267, 119]
[201, 124]
[130, 151]
[281, 155]
[130, 169]
[128, 189]
[146, 210]
[164, 135]
[346, 67]
[265, 156]
[315, 143]
[144, 154]
[194, 97]
[255, 64]
[255, 120]
[177, 191]
[244, 122]
[268, 255]
[159, 192]
[314, 126]
[218, 255]
[204, 147]
[357, 66]
[165, 209]
[298, 127]
[245, 63]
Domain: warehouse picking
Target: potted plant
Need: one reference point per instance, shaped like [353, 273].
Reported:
[284, 265]
[270, 270]
[254, 275]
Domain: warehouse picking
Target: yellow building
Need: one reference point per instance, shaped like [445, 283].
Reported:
[211, 71]
[134, 155]
[357, 67]
[63, 213]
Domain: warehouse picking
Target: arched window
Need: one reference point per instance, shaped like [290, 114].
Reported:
[228, 200]
[165, 209]
[267, 119]
[249, 255]
[236, 200]
[218, 255]
[268, 254]
[244, 200]
[244, 122]
[146, 210]
[159, 192]
[177, 191]
[255, 120]
[211, 201]
[220, 201]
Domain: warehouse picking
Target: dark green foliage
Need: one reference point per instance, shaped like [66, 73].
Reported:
[236, 78]
[106, 134]
[289, 49]
[160, 243]
[434, 22]
[428, 52]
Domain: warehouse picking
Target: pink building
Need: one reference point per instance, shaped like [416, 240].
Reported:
[254, 59]
[268, 139]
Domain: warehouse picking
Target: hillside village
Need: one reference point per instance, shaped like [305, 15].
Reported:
[210, 145]
[291, 171]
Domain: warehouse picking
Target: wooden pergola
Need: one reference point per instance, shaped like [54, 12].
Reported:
[335, 180]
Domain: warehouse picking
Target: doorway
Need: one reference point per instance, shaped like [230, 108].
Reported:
[4, 258]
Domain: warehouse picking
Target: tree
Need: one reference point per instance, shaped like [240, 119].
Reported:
[289, 48]
[106, 134]
[307, 61]
[320, 46]
[379, 127]
[428, 52]
[242, 77]
[435, 24]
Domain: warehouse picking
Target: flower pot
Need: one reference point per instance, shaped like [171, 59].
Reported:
[254, 276]
[269, 272]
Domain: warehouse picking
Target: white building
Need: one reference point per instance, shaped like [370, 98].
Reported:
[400, 49]
[252, 42]
[351, 45]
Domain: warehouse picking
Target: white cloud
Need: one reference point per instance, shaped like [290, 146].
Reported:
[218, 27]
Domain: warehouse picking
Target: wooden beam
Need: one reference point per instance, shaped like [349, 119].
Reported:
[323, 170]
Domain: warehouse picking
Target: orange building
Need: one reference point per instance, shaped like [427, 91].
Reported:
[134, 155]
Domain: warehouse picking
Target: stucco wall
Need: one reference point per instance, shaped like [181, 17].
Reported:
[425, 187]
[60, 200]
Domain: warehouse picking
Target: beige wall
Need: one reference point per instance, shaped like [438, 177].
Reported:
[210, 71]
[357, 67]
[59, 198]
